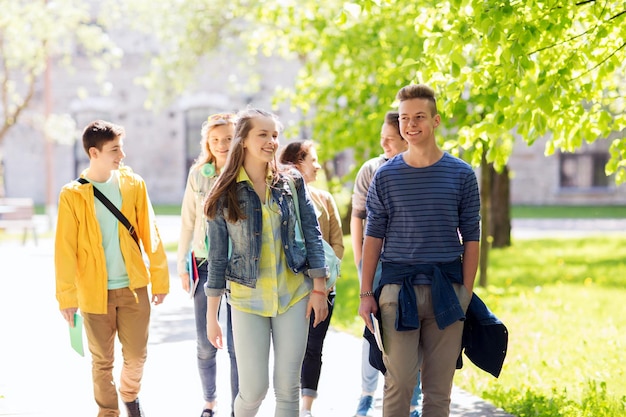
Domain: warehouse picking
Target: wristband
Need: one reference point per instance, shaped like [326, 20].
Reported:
[366, 294]
[319, 292]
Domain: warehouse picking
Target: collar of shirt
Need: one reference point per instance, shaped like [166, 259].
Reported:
[242, 176]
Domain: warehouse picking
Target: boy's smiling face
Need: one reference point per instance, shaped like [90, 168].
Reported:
[111, 155]
[417, 122]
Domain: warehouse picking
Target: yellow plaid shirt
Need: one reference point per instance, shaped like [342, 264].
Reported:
[277, 287]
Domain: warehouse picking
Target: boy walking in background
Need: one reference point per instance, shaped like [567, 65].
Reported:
[100, 269]
[392, 143]
[423, 206]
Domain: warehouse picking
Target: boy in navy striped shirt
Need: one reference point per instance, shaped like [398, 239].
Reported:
[423, 214]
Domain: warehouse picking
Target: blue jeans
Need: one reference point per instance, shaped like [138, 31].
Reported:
[312, 364]
[205, 350]
[369, 374]
[254, 334]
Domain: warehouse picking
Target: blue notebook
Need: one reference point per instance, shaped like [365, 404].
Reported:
[192, 269]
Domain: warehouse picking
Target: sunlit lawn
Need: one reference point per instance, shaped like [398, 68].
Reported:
[564, 303]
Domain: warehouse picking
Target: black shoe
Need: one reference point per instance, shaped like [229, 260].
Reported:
[207, 413]
[134, 409]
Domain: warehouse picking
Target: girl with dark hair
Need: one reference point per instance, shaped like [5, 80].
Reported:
[303, 156]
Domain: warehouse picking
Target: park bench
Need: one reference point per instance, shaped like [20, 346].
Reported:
[18, 213]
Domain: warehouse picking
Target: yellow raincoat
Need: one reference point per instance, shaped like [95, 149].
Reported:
[81, 276]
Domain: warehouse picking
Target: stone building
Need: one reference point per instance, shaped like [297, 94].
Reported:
[563, 178]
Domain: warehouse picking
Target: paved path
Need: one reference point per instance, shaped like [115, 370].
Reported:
[40, 376]
[530, 228]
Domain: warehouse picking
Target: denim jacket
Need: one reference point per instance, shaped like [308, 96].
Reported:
[240, 262]
[446, 305]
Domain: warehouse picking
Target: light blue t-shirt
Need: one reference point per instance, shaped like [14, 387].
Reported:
[116, 268]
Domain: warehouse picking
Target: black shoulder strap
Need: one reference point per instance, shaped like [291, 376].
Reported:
[113, 210]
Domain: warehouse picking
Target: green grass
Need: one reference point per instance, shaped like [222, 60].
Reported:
[167, 209]
[568, 212]
[562, 301]
[171, 246]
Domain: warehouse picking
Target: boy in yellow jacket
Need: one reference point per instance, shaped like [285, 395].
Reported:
[100, 269]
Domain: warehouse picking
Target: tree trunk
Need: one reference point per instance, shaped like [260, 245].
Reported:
[486, 177]
[345, 221]
[501, 209]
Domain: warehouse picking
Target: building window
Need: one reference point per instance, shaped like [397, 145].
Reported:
[194, 117]
[583, 171]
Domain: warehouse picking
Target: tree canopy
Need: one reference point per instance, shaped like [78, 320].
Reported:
[503, 70]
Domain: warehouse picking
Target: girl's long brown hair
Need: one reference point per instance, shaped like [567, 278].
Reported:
[226, 184]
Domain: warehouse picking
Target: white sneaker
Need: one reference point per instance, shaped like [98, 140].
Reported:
[305, 413]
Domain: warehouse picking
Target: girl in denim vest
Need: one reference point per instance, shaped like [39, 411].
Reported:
[272, 284]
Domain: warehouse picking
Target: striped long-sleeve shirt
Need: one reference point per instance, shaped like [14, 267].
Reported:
[424, 214]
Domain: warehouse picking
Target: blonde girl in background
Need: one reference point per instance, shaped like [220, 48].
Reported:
[217, 133]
